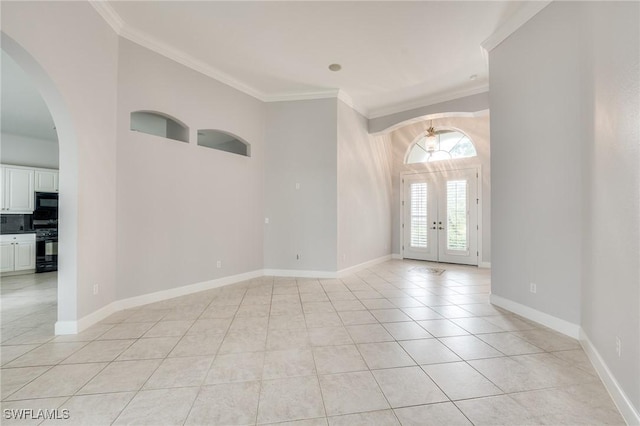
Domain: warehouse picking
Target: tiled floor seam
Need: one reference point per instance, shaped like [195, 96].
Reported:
[387, 294]
[141, 389]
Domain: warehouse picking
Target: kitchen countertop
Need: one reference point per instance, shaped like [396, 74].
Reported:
[18, 232]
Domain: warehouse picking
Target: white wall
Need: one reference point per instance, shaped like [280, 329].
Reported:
[71, 54]
[477, 128]
[538, 128]
[364, 191]
[27, 151]
[182, 207]
[565, 156]
[301, 147]
[611, 249]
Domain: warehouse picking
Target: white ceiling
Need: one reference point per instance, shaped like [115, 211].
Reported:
[23, 110]
[394, 54]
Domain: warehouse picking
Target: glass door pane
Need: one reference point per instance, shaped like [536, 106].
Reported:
[457, 208]
[440, 217]
[419, 219]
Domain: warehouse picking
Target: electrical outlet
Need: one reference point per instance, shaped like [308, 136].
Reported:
[96, 289]
[297, 185]
[266, 220]
[533, 288]
[219, 264]
[618, 346]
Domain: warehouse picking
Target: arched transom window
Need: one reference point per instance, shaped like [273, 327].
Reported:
[442, 144]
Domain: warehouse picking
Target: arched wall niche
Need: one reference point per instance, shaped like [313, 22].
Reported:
[68, 181]
[159, 124]
[224, 141]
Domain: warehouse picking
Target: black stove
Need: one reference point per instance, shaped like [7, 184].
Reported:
[46, 244]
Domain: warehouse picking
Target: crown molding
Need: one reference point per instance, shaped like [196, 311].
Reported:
[110, 16]
[302, 96]
[143, 39]
[521, 17]
[188, 61]
[427, 101]
[118, 25]
[113, 19]
[347, 100]
[320, 94]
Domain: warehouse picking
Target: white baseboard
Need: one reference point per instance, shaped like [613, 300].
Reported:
[484, 265]
[396, 256]
[554, 323]
[364, 265]
[97, 316]
[299, 273]
[66, 327]
[626, 408]
[74, 327]
[158, 296]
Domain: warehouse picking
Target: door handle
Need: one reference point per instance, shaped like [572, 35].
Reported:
[433, 227]
[440, 227]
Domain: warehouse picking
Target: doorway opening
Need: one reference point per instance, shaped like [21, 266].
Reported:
[440, 216]
[29, 229]
[63, 294]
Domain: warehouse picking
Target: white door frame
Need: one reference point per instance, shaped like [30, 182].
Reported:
[477, 167]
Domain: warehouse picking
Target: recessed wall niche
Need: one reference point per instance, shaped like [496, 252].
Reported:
[159, 124]
[223, 141]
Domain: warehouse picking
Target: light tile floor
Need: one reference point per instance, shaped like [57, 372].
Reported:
[389, 345]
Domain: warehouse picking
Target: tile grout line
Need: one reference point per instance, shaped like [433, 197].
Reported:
[204, 378]
[154, 371]
[381, 286]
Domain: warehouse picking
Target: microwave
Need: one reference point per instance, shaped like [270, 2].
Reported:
[46, 205]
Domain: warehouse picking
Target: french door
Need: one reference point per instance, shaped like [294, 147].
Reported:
[440, 216]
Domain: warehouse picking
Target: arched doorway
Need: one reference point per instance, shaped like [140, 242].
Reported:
[455, 163]
[68, 183]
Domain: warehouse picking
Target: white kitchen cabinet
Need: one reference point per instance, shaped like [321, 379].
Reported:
[7, 256]
[46, 180]
[24, 255]
[18, 189]
[17, 252]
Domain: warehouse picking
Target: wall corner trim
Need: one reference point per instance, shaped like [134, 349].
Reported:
[626, 408]
[521, 17]
[66, 327]
[396, 256]
[109, 14]
[364, 265]
[554, 323]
